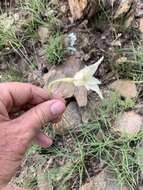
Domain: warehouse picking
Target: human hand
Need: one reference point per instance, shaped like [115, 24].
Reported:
[16, 134]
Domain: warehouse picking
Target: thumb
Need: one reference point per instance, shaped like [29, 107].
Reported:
[42, 113]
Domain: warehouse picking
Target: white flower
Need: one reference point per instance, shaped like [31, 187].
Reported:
[85, 78]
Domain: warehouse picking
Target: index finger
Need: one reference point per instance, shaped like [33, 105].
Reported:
[15, 94]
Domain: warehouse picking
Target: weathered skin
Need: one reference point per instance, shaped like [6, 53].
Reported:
[16, 134]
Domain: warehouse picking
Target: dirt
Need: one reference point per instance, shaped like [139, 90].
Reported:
[97, 35]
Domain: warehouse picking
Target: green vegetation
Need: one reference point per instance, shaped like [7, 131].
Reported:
[31, 182]
[96, 142]
[30, 30]
[40, 14]
[34, 9]
[54, 49]
[8, 37]
[33, 6]
[33, 149]
[132, 67]
[11, 75]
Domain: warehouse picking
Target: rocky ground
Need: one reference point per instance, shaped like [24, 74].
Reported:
[98, 143]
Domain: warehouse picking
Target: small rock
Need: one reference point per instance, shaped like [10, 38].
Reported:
[7, 22]
[130, 19]
[77, 8]
[89, 112]
[3, 66]
[105, 180]
[54, 2]
[116, 43]
[88, 186]
[16, 17]
[139, 9]
[129, 124]
[83, 8]
[63, 9]
[121, 60]
[43, 183]
[126, 88]
[80, 94]
[71, 119]
[123, 8]
[72, 65]
[43, 33]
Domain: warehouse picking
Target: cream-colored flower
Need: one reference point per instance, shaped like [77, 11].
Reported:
[85, 78]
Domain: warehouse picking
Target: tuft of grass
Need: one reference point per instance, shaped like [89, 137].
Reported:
[33, 149]
[52, 22]
[40, 14]
[118, 155]
[11, 75]
[132, 68]
[8, 37]
[54, 49]
[113, 105]
[30, 30]
[31, 183]
[35, 7]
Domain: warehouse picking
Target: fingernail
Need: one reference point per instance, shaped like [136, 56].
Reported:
[57, 108]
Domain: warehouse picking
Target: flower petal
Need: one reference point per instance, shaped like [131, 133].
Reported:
[88, 71]
[93, 81]
[93, 68]
[95, 88]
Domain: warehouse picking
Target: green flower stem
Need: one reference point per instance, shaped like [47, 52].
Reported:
[67, 80]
